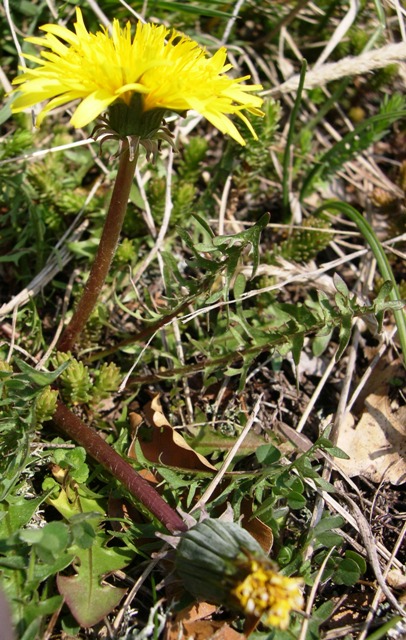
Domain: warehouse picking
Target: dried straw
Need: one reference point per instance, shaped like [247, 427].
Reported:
[349, 66]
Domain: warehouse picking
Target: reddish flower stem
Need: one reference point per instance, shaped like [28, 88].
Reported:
[96, 447]
[105, 253]
[67, 421]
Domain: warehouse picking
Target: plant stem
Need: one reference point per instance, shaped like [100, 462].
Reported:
[96, 447]
[380, 257]
[67, 421]
[144, 334]
[287, 155]
[105, 253]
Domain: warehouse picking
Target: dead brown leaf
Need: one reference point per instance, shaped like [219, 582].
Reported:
[396, 579]
[377, 444]
[258, 529]
[194, 623]
[162, 444]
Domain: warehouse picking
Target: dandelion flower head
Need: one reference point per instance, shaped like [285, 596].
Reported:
[266, 593]
[166, 71]
[221, 563]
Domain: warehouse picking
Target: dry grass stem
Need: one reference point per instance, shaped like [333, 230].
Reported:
[228, 459]
[164, 226]
[349, 66]
[312, 596]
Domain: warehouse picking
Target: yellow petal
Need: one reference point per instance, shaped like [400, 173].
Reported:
[171, 70]
[91, 107]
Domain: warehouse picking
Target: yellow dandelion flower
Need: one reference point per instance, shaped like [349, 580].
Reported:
[269, 595]
[155, 71]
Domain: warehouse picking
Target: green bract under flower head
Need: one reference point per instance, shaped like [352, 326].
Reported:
[168, 70]
[221, 563]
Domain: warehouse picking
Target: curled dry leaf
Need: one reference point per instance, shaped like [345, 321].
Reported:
[162, 444]
[258, 529]
[195, 622]
[377, 444]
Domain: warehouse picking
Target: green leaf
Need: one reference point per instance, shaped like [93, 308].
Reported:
[205, 247]
[340, 285]
[174, 480]
[297, 347]
[256, 231]
[380, 256]
[215, 296]
[42, 572]
[79, 505]
[323, 612]
[383, 293]
[285, 556]
[5, 112]
[324, 484]
[329, 539]
[203, 224]
[19, 512]
[239, 285]
[249, 236]
[267, 454]
[15, 256]
[382, 632]
[39, 378]
[363, 136]
[296, 500]
[327, 523]
[353, 555]
[296, 484]
[348, 572]
[88, 599]
[75, 461]
[14, 562]
[344, 335]
[342, 303]
[382, 304]
[83, 533]
[321, 342]
[34, 612]
[393, 305]
[334, 451]
[48, 541]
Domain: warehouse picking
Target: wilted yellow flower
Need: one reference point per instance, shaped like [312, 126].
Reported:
[165, 70]
[221, 563]
[264, 592]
